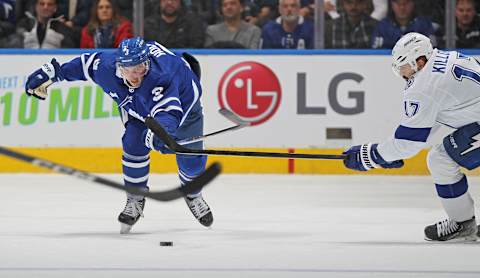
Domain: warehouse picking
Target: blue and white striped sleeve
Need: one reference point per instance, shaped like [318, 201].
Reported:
[406, 143]
[168, 104]
[80, 68]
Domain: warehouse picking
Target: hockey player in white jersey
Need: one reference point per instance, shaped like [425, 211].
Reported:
[443, 88]
[144, 79]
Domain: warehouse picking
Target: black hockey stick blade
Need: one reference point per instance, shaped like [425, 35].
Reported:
[168, 195]
[179, 149]
[191, 187]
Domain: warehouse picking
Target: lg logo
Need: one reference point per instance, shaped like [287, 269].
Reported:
[251, 90]
[355, 97]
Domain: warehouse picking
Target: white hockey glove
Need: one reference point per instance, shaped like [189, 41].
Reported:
[38, 82]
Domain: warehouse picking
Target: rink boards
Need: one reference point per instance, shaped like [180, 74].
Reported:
[304, 102]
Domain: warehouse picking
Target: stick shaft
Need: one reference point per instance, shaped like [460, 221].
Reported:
[179, 149]
[262, 154]
[203, 137]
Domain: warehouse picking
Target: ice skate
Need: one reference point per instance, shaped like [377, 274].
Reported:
[200, 210]
[131, 213]
[449, 230]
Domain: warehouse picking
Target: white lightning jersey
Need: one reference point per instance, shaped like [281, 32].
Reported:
[445, 92]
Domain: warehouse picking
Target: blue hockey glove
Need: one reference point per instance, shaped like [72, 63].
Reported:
[154, 143]
[39, 80]
[366, 157]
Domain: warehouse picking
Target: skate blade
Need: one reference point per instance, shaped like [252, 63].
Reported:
[124, 228]
[465, 239]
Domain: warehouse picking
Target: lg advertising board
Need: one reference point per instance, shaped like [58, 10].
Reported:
[291, 101]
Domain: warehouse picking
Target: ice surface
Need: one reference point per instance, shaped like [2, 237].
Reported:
[265, 226]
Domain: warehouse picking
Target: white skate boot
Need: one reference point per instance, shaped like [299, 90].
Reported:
[131, 213]
[200, 209]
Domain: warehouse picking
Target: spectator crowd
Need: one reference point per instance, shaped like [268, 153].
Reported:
[284, 24]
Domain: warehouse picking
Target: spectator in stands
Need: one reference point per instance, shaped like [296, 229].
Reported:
[42, 30]
[468, 24]
[233, 32]
[175, 27]
[376, 8]
[106, 28]
[290, 30]
[402, 20]
[7, 20]
[353, 29]
[75, 12]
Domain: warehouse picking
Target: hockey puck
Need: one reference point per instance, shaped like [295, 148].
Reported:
[166, 243]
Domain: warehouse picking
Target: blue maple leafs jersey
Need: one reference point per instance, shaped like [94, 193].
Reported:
[168, 91]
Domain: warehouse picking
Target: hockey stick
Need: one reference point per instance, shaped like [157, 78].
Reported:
[179, 149]
[227, 114]
[168, 195]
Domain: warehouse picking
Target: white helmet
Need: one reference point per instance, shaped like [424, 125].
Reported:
[408, 49]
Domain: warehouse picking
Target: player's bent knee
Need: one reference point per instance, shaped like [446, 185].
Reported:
[132, 143]
[442, 167]
[192, 165]
[463, 146]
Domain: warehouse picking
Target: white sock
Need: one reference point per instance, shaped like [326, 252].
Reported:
[459, 209]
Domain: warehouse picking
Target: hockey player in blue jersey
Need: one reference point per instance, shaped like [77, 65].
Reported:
[144, 79]
[442, 89]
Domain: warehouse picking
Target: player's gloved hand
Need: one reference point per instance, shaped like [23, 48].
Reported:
[38, 82]
[366, 157]
[154, 143]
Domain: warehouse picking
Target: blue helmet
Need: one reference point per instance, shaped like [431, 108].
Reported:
[132, 52]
